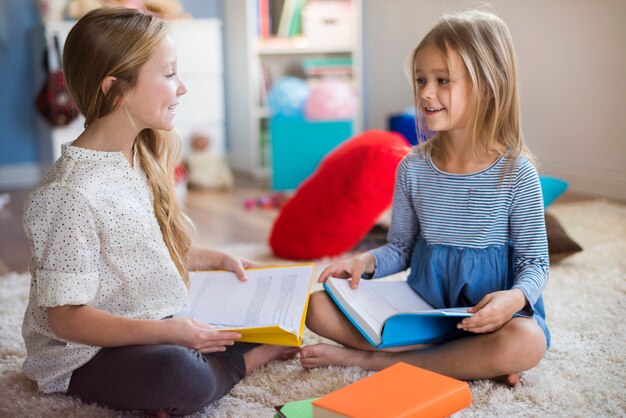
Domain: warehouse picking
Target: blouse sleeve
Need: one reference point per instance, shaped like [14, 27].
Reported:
[66, 247]
[528, 235]
[396, 255]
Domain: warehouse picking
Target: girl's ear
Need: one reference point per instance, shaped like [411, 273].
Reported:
[106, 84]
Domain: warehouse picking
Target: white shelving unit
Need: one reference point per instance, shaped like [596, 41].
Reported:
[200, 66]
[246, 55]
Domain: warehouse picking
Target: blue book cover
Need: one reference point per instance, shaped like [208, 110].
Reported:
[392, 314]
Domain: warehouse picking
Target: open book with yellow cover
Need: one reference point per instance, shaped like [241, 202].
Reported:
[269, 308]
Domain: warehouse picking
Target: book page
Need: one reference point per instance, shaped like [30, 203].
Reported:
[274, 296]
[373, 302]
[454, 311]
[381, 300]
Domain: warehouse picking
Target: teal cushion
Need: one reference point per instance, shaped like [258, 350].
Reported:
[551, 188]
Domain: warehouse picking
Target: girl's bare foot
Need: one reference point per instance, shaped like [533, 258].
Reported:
[320, 355]
[511, 380]
[264, 353]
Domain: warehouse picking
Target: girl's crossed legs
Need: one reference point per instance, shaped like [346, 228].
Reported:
[167, 379]
[517, 346]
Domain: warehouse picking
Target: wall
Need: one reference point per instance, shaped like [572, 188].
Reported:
[572, 67]
[19, 147]
[203, 8]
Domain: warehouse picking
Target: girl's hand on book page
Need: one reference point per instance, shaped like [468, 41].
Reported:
[207, 259]
[351, 269]
[238, 265]
[493, 311]
[197, 335]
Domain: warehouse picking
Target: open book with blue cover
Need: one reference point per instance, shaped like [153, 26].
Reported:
[391, 313]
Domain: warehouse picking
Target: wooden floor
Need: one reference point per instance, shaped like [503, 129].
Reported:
[220, 219]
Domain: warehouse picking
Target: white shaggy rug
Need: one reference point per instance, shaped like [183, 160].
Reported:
[583, 374]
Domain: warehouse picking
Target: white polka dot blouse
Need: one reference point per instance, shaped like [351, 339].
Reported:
[94, 241]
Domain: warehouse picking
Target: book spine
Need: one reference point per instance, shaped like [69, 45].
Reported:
[356, 325]
[276, 10]
[285, 18]
[264, 18]
[446, 405]
[296, 22]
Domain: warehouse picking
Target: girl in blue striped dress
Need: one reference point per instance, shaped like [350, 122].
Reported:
[467, 217]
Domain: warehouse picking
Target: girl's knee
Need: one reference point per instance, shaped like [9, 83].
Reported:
[521, 345]
[318, 311]
[188, 382]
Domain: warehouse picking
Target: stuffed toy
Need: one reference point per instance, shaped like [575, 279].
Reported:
[207, 170]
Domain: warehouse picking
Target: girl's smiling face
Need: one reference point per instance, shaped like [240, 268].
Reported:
[443, 89]
[152, 102]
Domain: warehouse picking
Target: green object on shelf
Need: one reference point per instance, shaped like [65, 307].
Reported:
[327, 62]
[298, 146]
[295, 28]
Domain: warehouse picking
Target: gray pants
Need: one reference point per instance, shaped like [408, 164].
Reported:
[168, 378]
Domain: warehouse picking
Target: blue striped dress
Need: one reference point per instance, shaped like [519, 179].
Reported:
[467, 235]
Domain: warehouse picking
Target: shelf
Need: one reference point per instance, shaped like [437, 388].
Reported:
[295, 46]
[254, 63]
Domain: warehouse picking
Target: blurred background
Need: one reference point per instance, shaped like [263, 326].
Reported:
[275, 84]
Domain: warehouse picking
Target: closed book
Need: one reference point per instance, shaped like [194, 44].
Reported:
[295, 409]
[401, 390]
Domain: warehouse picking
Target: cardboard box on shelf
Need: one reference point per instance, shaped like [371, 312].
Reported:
[328, 24]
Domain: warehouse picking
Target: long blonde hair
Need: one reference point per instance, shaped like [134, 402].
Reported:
[485, 45]
[117, 42]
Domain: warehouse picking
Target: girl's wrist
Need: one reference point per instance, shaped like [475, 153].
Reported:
[219, 260]
[369, 262]
[520, 299]
[162, 332]
[205, 259]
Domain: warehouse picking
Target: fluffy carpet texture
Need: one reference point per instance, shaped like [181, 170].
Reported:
[582, 375]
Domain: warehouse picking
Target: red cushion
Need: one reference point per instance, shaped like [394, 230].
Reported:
[340, 202]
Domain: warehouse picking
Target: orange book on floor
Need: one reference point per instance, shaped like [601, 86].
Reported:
[400, 390]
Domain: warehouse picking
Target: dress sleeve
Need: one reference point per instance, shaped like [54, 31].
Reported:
[395, 256]
[528, 235]
[66, 247]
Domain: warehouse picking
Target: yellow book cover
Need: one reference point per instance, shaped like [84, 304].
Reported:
[268, 308]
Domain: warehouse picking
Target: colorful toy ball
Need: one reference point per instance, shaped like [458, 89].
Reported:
[331, 99]
[287, 96]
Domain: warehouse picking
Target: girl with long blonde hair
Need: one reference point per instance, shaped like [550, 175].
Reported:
[110, 246]
[467, 217]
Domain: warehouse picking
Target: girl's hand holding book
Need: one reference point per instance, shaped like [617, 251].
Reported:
[237, 265]
[493, 311]
[206, 259]
[197, 335]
